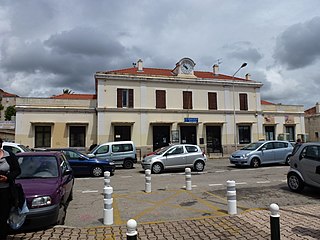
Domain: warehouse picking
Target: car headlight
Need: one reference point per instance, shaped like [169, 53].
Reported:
[41, 201]
[111, 163]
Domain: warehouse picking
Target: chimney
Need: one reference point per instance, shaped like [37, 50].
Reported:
[215, 69]
[140, 67]
[248, 76]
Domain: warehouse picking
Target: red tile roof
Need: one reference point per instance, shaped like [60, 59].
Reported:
[6, 94]
[170, 73]
[310, 111]
[263, 102]
[75, 96]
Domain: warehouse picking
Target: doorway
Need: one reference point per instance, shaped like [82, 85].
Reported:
[213, 134]
[188, 134]
[161, 136]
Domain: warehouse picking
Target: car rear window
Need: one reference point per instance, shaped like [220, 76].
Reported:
[191, 149]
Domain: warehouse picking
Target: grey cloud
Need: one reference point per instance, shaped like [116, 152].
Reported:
[299, 45]
[85, 41]
[243, 51]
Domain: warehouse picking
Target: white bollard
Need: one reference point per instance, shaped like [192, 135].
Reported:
[148, 181]
[188, 179]
[108, 209]
[106, 175]
[132, 229]
[231, 197]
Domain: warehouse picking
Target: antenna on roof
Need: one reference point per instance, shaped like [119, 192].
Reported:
[219, 61]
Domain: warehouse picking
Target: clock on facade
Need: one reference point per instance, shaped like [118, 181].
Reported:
[186, 67]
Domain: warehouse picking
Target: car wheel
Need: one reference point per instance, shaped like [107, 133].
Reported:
[255, 163]
[157, 168]
[288, 160]
[127, 164]
[97, 171]
[295, 182]
[199, 166]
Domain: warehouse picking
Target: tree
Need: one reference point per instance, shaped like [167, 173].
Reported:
[10, 111]
[67, 91]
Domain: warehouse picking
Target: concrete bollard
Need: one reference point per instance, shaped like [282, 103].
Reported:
[231, 197]
[188, 179]
[106, 175]
[107, 208]
[274, 221]
[132, 233]
[148, 181]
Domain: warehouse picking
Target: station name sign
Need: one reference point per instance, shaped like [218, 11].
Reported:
[191, 120]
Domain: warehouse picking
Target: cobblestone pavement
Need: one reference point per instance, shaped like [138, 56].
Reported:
[299, 222]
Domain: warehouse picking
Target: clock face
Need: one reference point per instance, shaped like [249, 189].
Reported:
[186, 68]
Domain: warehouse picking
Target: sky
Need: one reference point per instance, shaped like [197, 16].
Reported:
[47, 46]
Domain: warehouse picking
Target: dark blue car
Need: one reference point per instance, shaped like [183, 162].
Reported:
[81, 164]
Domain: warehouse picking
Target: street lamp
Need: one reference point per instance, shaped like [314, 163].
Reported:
[234, 107]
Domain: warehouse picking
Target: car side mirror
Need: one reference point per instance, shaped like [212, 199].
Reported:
[264, 148]
[67, 172]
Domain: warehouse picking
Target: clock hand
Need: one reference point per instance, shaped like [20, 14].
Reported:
[185, 67]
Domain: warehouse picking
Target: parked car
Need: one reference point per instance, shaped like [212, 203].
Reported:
[85, 165]
[14, 147]
[175, 156]
[262, 152]
[304, 167]
[121, 153]
[47, 181]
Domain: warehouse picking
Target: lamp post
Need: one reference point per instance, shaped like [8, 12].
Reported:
[234, 107]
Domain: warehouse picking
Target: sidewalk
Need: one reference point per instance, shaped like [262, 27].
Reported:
[299, 222]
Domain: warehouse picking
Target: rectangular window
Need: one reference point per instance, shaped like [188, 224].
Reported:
[187, 100]
[42, 136]
[124, 98]
[290, 133]
[77, 137]
[160, 99]
[244, 134]
[212, 100]
[243, 101]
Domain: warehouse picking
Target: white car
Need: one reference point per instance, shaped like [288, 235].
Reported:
[14, 147]
[304, 167]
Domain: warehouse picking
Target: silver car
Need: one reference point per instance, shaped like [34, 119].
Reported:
[262, 152]
[304, 167]
[176, 156]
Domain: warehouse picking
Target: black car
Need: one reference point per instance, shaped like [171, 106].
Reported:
[84, 165]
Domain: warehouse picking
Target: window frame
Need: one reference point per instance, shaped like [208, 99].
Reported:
[187, 100]
[243, 101]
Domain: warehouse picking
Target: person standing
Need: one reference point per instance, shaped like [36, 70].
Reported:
[9, 170]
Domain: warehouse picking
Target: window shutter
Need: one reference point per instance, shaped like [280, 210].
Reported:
[160, 99]
[130, 98]
[212, 100]
[243, 101]
[187, 100]
[119, 98]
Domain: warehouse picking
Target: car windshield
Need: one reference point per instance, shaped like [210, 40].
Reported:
[252, 146]
[161, 150]
[38, 167]
[93, 150]
[26, 149]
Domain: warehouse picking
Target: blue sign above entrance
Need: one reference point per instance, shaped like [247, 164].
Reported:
[191, 120]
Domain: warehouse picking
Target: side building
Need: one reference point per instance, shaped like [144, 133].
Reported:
[312, 121]
[155, 107]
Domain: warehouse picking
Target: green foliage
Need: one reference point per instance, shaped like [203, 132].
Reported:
[10, 111]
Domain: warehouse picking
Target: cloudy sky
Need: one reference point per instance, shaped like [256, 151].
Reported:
[46, 46]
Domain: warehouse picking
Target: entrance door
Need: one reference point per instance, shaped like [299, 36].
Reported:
[270, 135]
[188, 134]
[161, 136]
[122, 133]
[213, 139]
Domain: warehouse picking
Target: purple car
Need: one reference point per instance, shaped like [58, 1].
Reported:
[47, 181]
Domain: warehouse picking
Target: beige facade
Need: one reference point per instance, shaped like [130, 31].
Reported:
[57, 116]
[155, 107]
[312, 121]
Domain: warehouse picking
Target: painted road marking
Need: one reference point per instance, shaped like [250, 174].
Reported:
[241, 183]
[215, 184]
[90, 191]
[264, 182]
